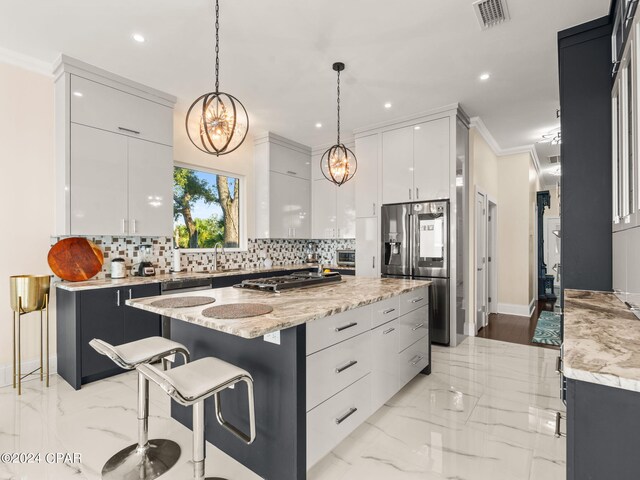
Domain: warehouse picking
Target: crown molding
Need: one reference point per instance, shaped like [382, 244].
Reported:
[270, 137]
[481, 128]
[26, 62]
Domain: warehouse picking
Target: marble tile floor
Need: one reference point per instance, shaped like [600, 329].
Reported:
[486, 412]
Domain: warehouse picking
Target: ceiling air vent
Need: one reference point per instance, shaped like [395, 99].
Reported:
[491, 12]
[554, 159]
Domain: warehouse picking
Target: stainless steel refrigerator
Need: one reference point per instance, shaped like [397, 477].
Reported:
[415, 244]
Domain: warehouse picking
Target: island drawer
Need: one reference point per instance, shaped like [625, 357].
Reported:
[413, 360]
[385, 311]
[330, 422]
[413, 300]
[412, 327]
[333, 369]
[324, 332]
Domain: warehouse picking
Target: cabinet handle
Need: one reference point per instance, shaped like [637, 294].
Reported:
[386, 312]
[388, 331]
[294, 232]
[347, 366]
[417, 359]
[344, 327]
[374, 209]
[417, 193]
[128, 130]
[290, 172]
[124, 225]
[559, 365]
[338, 233]
[135, 224]
[409, 194]
[373, 262]
[118, 298]
[418, 326]
[416, 300]
[130, 294]
[558, 433]
[341, 419]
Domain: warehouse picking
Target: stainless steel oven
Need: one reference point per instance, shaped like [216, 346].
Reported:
[346, 258]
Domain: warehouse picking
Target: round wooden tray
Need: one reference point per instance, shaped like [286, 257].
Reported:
[75, 259]
[182, 302]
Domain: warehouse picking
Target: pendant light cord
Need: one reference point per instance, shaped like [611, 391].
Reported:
[217, 45]
[338, 107]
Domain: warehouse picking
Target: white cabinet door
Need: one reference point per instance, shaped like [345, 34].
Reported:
[279, 205]
[150, 188]
[397, 166]
[299, 206]
[98, 182]
[289, 161]
[107, 108]
[431, 160]
[324, 209]
[346, 200]
[384, 374]
[366, 178]
[367, 252]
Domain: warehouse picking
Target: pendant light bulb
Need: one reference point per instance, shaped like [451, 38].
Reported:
[217, 123]
[338, 164]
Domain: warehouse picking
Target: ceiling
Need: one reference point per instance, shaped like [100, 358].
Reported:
[276, 56]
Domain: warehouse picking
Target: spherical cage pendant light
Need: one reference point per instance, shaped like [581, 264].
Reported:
[338, 164]
[217, 123]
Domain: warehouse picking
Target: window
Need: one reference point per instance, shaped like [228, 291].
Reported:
[206, 209]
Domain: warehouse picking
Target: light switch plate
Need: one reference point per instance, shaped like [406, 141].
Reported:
[273, 337]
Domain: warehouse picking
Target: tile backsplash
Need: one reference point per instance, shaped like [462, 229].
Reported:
[280, 251]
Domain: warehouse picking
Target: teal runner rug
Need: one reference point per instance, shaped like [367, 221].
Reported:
[548, 329]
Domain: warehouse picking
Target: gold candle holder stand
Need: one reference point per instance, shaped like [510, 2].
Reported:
[30, 293]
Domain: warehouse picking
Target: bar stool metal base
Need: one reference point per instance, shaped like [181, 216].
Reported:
[132, 463]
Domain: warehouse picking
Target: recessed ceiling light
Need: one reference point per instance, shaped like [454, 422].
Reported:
[387, 105]
[417, 127]
[77, 94]
[485, 76]
[318, 125]
[138, 37]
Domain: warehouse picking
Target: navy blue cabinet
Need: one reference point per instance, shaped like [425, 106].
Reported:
[139, 324]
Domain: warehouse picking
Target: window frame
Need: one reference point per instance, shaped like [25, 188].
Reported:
[243, 208]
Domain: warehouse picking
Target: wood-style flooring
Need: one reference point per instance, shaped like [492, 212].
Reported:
[514, 328]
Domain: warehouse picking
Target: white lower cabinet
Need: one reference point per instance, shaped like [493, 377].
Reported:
[330, 422]
[619, 247]
[355, 363]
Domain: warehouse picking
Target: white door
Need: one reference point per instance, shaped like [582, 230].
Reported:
[397, 166]
[346, 210]
[98, 182]
[324, 209]
[431, 160]
[279, 206]
[366, 179]
[481, 260]
[367, 250]
[552, 248]
[150, 188]
[299, 206]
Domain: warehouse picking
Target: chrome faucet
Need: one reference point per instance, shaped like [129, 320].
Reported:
[215, 255]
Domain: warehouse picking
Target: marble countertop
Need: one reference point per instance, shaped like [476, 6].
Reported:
[601, 340]
[123, 282]
[290, 308]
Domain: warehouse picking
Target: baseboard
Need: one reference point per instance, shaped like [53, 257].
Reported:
[532, 306]
[514, 309]
[6, 371]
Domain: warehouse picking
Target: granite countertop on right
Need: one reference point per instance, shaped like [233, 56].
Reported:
[601, 340]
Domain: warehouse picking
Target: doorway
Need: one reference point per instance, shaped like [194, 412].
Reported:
[485, 259]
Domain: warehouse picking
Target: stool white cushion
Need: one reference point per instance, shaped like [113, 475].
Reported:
[130, 355]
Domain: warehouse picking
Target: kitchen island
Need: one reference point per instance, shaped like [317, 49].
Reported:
[323, 361]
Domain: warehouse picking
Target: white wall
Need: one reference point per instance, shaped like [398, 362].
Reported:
[27, 156]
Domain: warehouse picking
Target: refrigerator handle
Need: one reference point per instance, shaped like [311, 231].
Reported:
[410, 242]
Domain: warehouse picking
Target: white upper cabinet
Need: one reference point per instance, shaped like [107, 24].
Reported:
[289, 161]
[107, 108]
[367, 247]
[325, 222]
[366, 179]
[397, 165]
[299, 207]
[346, 209]
[98, 188]
[150, 188]
[431, 145]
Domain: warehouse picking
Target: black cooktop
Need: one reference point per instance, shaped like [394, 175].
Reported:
[288, 282]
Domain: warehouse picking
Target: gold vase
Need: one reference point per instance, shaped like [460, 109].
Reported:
[29, 292]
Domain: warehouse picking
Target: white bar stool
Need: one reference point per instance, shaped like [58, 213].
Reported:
[192, 384]
[147, 459]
